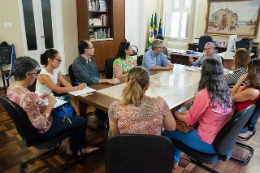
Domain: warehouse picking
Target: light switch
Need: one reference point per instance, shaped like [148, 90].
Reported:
[10, 25]
[5, 25]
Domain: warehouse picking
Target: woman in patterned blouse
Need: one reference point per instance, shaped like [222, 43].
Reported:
[123, 62]
[241, 59]
[48, 126]
[138, 113]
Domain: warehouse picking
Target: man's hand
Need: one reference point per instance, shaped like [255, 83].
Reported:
[191, 59]
[169, 66]
[114, 81]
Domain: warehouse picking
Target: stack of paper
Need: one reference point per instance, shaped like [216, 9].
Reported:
[84, 91]
[57, 104]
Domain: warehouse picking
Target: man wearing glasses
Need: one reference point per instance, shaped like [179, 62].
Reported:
[209, 53]
[85, 71]
[154, 59]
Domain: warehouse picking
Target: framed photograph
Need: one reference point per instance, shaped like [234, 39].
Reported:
[222, 43]
[232, 17]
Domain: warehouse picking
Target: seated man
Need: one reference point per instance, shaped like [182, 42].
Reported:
[165, 50]
[209, 53]
[85, 71]
[154, 59]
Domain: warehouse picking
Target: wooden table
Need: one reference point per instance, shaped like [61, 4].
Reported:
[175, 87]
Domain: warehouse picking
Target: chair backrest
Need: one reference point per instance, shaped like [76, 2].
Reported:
[139, 153]
[72, 77]
[20, 119]
[202, 41]
[253, 119]
[109, 67]
[227, 136]
[140, 60]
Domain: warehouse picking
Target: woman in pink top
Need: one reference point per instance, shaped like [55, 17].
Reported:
[211, 107]
[250, 93]
[138, 113]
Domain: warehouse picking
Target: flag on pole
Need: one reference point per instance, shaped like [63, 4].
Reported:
[160, 27]
[155, 25]
[151, 33]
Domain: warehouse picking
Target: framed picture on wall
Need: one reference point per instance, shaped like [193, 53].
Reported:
[232, 17]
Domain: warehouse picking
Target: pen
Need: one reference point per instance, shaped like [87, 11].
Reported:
[76, 83]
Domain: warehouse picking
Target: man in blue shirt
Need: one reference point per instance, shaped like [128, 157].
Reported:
[154, 59]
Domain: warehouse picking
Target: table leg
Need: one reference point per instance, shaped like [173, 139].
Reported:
[82, 108]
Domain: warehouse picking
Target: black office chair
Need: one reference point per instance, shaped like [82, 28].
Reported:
[109, 67]
[140, 60]
[223, 143]
[72, 77]
[138, 153]
[202, 41]
[251, 124]
[29, 133]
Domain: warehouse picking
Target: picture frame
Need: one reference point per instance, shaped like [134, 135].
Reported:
[222, 43]
[233, 17]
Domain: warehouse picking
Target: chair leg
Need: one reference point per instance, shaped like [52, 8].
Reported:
[198, 163]
[250, 155]
[22, 166]
[248, 137]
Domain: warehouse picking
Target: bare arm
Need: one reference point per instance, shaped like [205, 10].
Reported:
[110, 81]
[169, 122]
[169, 66]
[118, 71]
[63, 81]
[114, 128]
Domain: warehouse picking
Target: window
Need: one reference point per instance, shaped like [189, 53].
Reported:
[178, 18]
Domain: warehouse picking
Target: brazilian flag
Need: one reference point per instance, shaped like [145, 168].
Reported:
[151, 33]
[155, 25]
[160, 27]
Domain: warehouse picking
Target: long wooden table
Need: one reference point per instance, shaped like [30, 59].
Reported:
[175, 87]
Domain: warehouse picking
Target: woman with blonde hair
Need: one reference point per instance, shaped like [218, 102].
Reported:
[241, 59]
[138, 113]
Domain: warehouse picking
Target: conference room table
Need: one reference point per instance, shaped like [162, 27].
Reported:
[176, 87]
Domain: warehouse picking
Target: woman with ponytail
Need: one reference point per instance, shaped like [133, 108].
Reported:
[138, 113]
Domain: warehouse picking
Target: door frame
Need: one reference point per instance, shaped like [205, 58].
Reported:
[57, 25]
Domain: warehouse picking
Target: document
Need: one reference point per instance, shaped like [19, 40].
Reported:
[57, 104]
[84, 91]
[192, 68]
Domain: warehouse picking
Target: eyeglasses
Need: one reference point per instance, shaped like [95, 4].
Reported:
[160, 47]
[208, 48]
[91, 47]
[36, 74]
[59, 60]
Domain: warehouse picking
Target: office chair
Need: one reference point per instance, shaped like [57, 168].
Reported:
[251, 124]
[223, 143]
[202, 41]
[72, 77]
[109, 71]
[139, 153]
[140, 60]
[29, 133]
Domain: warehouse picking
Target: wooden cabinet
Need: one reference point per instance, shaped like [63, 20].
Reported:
[104, 48]
[194, 46]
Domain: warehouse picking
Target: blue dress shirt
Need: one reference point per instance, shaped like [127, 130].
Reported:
[150, 60]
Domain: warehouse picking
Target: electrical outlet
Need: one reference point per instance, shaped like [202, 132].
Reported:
[5, 25]
[10, 25]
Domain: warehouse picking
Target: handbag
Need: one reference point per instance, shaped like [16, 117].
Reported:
[183, 127]
[63, 111]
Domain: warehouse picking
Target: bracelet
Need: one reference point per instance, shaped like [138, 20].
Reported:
[75, 88]
[47, 115]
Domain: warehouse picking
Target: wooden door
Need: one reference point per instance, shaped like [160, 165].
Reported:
[119, 23]
[103, 50]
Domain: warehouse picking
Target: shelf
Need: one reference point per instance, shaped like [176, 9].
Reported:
[105, 39]
[98, 26]
[98, 11]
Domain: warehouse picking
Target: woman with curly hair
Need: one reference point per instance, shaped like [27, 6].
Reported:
[250, 93]
[212, 107]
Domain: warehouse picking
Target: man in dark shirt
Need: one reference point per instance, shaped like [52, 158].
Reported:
[84, 66]
[85, 71]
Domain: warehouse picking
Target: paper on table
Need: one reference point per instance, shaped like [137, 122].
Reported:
[85, 90]
[192, 68]
[57, 104]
